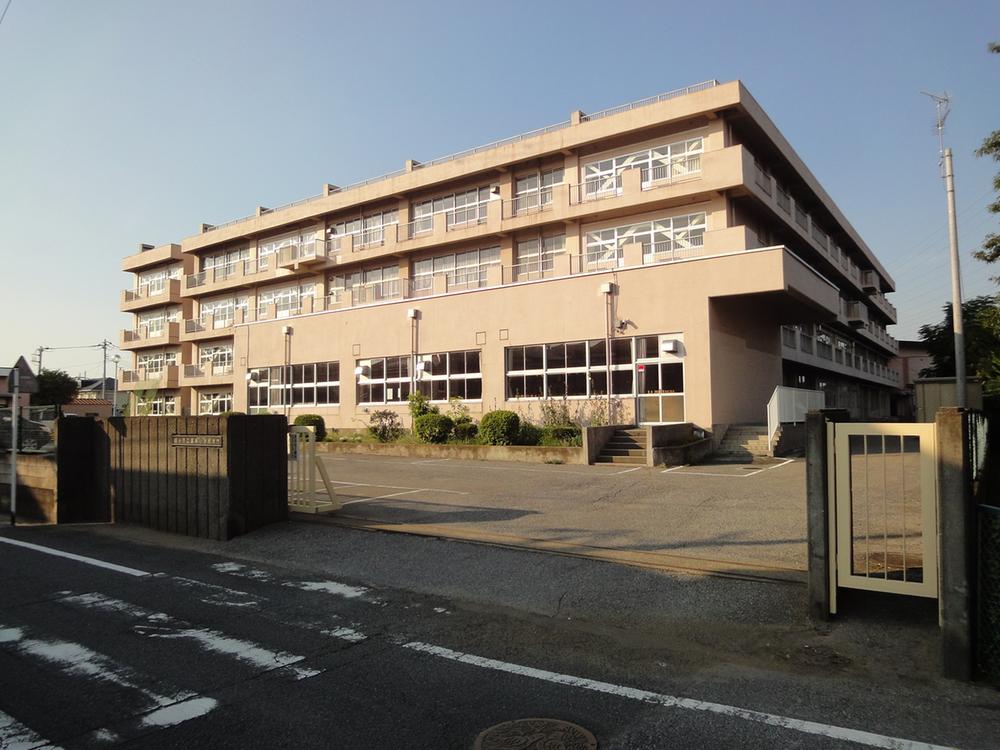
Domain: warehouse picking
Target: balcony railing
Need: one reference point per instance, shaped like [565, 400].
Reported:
[596, 188]
[529, 203]
[673, 249]
[678, 169]
[207, 370]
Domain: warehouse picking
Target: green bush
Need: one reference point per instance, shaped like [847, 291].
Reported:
[433, 428]
[312, 420]
[528, 434]
[465, 430]
[384, 425]
[499, 427]
[420, 405]
[562, 435]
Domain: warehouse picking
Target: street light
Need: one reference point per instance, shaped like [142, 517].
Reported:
[114, 393]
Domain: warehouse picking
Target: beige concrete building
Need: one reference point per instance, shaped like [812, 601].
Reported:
[676, 248]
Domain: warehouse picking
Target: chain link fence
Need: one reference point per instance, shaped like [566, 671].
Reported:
[34, 429]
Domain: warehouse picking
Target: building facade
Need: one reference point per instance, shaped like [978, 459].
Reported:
[675, 251]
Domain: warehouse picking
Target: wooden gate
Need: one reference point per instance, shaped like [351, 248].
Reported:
[883, 507]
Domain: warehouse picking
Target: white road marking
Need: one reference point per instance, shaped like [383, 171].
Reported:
[78, 558]
[858, 736]
[329, 587]
[753, 473]
[674, 468]
[627, 471]
[380, 497]
[397, 487]
[16, 736]
[243, 571]
[430, 461]
[219, 595]
[169, 716]
[346, 634]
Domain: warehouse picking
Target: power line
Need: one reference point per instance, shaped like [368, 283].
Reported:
[4, 14]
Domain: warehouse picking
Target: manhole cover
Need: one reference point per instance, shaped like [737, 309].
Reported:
[536, 734]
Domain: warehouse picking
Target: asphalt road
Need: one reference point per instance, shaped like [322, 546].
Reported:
[290, 637]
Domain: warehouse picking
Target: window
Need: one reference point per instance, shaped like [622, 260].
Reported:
[366, 230]
[154, 362]
[534, 192]
[287, 299]
[214, 402]
[216, 359]
[158, 406]
[467, 207]
[465, 270]
[667, 162]
[371, 285]
[225, 264]
[535, 259]
[267, 248]
[574, 369]
[155, 321]
[155, 281]
[222, 310]
[383, 380]
[450, 375]
[313, 384]
[669, 238]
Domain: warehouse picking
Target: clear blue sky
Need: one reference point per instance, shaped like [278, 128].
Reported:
[126, 122]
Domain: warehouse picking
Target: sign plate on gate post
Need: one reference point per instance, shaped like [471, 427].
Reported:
[196, 441]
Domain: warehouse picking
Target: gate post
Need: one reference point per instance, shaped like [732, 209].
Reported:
[956, 542]
[818, 520]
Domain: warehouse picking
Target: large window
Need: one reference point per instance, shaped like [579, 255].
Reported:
[669, 161]
[383, 380]
[669, 238]
[534, 192]
[314, 384]
[214, 402]
[273, 245]
[466, 207]
[367, 230]
[450, 375]
[574, 369]
[287, 299]
[465, 270]
[155, 362]
[155, 281]
[370, 285]
[535, 258]
[216, 359]
[155, 321]
[157, 406]
[224, 264]
[222, 310]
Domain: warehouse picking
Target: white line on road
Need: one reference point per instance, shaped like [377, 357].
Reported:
[753, 473]
[397, 487]
[627, 471]
[78, 558]
[798, 725]
[16, 736]
[380, 497]
[430, 461]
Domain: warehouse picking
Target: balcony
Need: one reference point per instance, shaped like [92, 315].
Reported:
[799, 346]
[150, 379]
[211, 326]
[884, 306]
[870, 281]
[878, 336]
[856, 314]
[164, 292]
[149, 256]
[208, 374]
[147, 336]
[304, 254]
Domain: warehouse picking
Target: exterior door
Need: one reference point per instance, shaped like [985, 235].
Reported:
[660, 391]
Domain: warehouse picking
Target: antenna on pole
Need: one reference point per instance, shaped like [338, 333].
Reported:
[942, 104]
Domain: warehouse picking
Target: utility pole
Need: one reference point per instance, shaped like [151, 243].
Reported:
[39, 351]
[942, 105]
[15, 418]
[104, 370]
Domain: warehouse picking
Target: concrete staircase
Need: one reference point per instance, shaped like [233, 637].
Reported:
[742, 443]
[626, 446]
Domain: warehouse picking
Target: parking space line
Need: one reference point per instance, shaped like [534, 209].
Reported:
[754, 473]
[430, 461]
[380, 497]
[77, 558]
[397, 487]
[627, 471]
[674, 468]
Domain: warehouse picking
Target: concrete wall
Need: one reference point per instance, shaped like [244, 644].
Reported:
[36, 487]
[523, 453]
[595, 438]
[939, 393]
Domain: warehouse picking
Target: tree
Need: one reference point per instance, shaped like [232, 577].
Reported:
[990, 251]
[981, 317]
[55, 387]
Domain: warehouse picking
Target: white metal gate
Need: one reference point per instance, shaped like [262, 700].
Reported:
[883, 508]
[303, 465]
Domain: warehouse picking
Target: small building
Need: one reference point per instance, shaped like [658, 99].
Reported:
[6, 397]
[83, 406]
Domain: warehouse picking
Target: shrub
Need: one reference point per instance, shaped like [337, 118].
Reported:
[499, 427]
[312, 420]
[384, 425]
[555, 412]
[232, 414]
[433, 428]
[419, 405]
[528, 434]
[465, 430]
[562, 435]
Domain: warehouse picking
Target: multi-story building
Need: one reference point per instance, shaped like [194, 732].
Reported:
[675, 250]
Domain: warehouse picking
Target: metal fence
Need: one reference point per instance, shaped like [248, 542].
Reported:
[34, 429]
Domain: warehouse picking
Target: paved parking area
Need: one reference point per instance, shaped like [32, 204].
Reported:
[747, 520]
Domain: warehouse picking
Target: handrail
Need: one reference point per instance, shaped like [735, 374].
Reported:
[789, 405]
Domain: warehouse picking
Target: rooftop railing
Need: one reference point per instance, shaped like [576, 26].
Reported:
[487, 147]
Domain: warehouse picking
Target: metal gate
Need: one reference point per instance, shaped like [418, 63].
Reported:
[883, 508]
[303, 465]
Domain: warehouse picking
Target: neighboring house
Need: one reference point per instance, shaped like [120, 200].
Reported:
[675, 251]
[90, 388]
[913, 357]
[6, 397]
[83, 406]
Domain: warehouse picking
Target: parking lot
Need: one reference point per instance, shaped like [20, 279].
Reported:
[742, 520]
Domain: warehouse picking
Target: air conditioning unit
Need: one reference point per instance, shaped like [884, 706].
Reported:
[670, 346]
